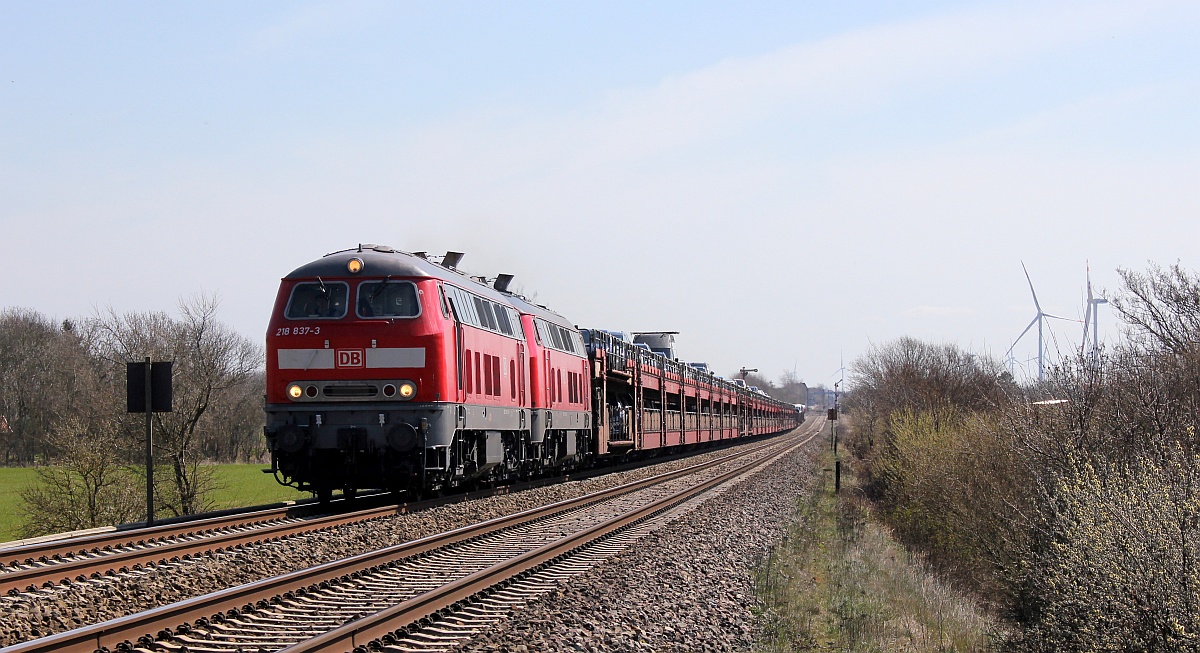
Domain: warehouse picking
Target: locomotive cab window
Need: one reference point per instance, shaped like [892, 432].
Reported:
[388, 299]
[317, 300]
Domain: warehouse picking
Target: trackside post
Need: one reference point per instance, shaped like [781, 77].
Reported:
[148, 390]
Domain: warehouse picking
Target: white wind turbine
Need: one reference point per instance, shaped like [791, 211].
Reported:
[1093, 307]
[1038, 319]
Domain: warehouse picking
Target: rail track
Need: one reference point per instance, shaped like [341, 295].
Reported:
[29, 567]
[109, 553]
[334, 606]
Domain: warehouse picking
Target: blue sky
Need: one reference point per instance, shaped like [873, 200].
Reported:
[784, 183]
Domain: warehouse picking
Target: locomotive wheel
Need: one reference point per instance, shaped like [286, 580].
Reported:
[324, 495]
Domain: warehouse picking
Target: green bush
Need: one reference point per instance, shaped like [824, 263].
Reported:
[952, 485]
[1118, 568]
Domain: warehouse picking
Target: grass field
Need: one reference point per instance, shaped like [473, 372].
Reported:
[12, 479]
[246, 485]
[238, 486]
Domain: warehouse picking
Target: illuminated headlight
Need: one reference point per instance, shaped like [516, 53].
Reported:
[402, 390]
[354, 265]
[407, 390]
[295, 391]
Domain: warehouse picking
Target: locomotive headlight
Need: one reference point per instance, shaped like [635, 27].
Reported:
[408, 389]
[354, 265]
[295, 391]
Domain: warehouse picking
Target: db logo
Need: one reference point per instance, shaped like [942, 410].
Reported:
[350, 357]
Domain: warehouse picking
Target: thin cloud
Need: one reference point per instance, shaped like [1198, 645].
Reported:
[938, 311]
[853, 71]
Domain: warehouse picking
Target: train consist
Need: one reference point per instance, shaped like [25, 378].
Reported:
[386, 369]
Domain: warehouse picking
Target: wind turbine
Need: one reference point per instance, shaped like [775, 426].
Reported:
[1038, 319]
[1093, 307]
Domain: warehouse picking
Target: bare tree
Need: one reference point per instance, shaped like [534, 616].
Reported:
[757, 380]
[915, 375]
[1162, 306]
[235, 432]
[212, 366]
[792, 389]
[87, 483]
[43, 373]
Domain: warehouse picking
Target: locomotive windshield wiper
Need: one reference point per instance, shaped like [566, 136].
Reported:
[324, 290]
[375, 293]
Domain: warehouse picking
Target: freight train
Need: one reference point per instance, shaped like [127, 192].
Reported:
[394, 370]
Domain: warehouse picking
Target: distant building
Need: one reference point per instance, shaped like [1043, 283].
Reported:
[820, 397]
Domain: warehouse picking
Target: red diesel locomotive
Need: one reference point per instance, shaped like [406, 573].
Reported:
[388, 370]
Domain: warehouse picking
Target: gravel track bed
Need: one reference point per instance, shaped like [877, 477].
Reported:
[53, 610]
[698, 598]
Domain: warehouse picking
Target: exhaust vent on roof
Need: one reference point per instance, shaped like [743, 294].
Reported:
[502, 282]
[452, 259]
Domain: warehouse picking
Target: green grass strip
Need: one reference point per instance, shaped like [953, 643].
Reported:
[237, 486]
[839, 582]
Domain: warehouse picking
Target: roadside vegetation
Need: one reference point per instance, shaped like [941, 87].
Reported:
[1070, 508]
[62, 414]
[839, 581]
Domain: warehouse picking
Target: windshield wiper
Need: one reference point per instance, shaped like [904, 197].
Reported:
[375, 293]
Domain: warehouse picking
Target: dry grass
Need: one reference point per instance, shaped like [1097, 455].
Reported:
[839, 582]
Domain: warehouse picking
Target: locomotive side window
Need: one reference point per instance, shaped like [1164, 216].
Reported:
[479, 306]
[317, 300]
[502, 320]
[483, 313]
[559, 337]
[484, 308]
[388, 299]
[462, 306]
[567, 343]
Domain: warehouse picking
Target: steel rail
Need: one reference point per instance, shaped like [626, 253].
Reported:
[46, 551]
[148, 624]
[81, 569]
[51, 551]
[362, 632]
[62, 560]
